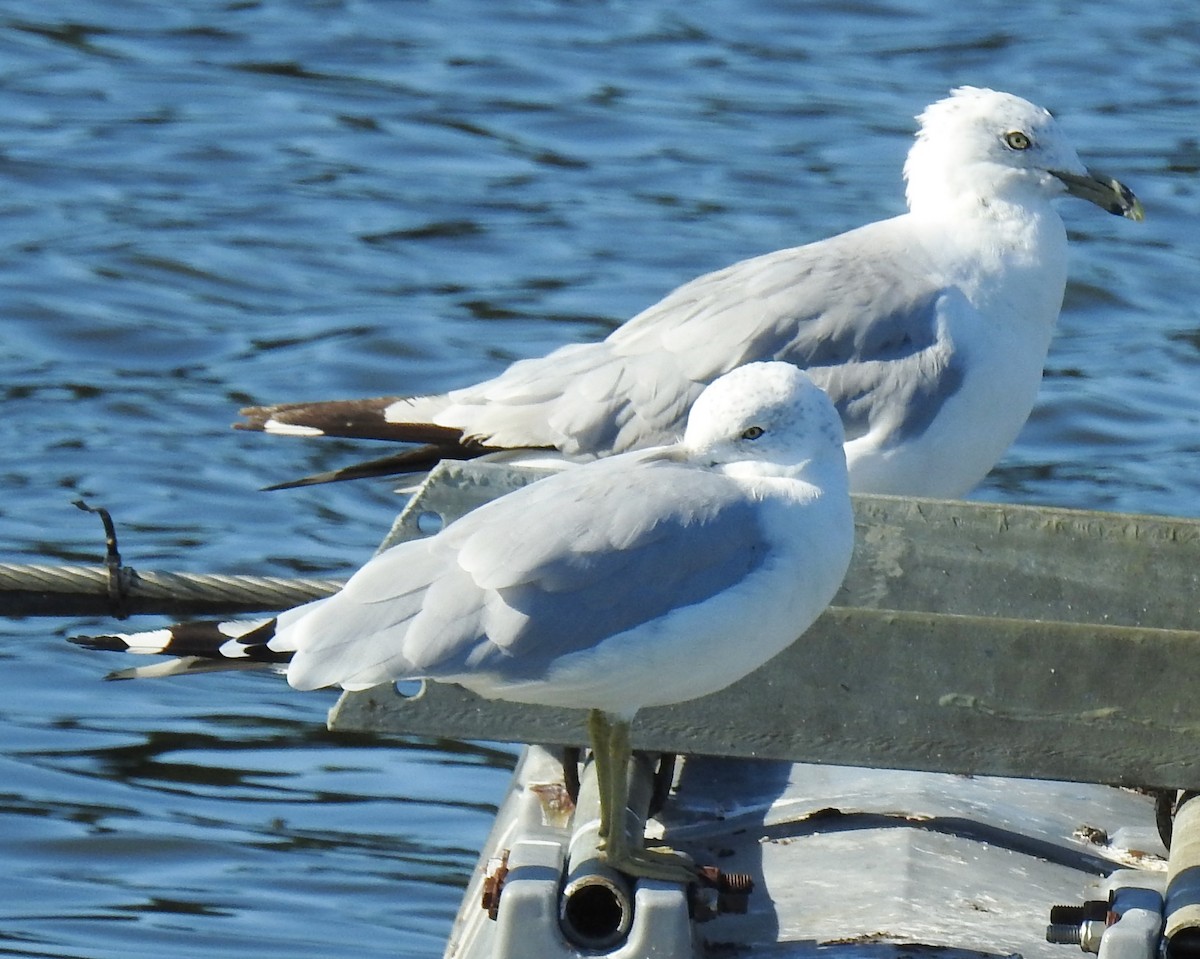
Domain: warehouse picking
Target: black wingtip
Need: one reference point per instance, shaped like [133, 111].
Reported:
[353, 419]
[105, 644]
[406, 463]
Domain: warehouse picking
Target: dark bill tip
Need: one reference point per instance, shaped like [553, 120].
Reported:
[1106, 192]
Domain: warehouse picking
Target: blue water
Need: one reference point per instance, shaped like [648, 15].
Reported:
[207, 204]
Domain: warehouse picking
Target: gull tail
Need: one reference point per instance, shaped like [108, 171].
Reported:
[198, 647]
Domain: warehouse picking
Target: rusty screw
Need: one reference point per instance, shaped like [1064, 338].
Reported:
[716, 892]
[493, 884]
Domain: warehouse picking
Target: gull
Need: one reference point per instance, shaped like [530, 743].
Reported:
[928, 330]
[644, 579]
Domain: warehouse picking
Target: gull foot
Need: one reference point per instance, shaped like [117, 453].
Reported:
[659, 862]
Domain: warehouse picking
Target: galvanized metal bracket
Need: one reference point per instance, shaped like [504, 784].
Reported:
[969, 637]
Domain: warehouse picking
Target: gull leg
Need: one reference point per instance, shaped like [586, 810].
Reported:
[570, 767]
[610, 746]
[598, 733]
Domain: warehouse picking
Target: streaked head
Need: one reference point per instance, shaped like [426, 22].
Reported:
[979, 144]
[766, 412]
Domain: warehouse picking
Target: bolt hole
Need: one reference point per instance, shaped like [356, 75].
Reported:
[410, 688]
[430, 522]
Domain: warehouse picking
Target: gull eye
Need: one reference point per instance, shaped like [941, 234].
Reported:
[752, 433]
[1016, 140]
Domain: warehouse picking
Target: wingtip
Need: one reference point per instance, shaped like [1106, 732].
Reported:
[253, 418]
[406, 463]
[179, 666]
[351, 419]
[104, 644]
[314, 480]
[265, 423]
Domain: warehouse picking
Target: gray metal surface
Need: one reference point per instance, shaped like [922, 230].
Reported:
[846, 861]
[980, 639]
[943, 556]
[973, 638]
[856, 857]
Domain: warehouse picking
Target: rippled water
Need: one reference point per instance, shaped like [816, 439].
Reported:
[206, 204]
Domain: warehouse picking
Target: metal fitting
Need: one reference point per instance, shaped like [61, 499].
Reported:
[715, 892]
[493, 884]
[1082, 926]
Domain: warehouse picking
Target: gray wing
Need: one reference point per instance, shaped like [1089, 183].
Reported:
[552, 569]
[898, 388]
[610, 557]
[859, 311]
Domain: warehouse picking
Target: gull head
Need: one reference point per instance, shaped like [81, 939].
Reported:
[769, 415]
[982, 147]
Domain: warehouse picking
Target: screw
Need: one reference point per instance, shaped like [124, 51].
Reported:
[716, 892]
[1082, 926]
[1086, 935]
[1066, 915]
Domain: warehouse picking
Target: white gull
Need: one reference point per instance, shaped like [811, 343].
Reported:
[928, 330]
[644, 579]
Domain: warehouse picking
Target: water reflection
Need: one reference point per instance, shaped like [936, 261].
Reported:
[205, 208]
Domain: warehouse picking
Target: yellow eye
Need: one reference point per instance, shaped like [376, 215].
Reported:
[1017, 140]
[753, 433]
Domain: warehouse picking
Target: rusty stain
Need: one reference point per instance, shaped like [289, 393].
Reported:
[555, 800]
[493, 884]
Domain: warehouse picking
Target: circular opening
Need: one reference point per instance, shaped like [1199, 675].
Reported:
[595, 915]
[1185, 944]
[410, 688]
[430, 522]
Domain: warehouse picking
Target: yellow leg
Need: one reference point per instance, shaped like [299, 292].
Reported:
[599, 731]
[611, 752]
